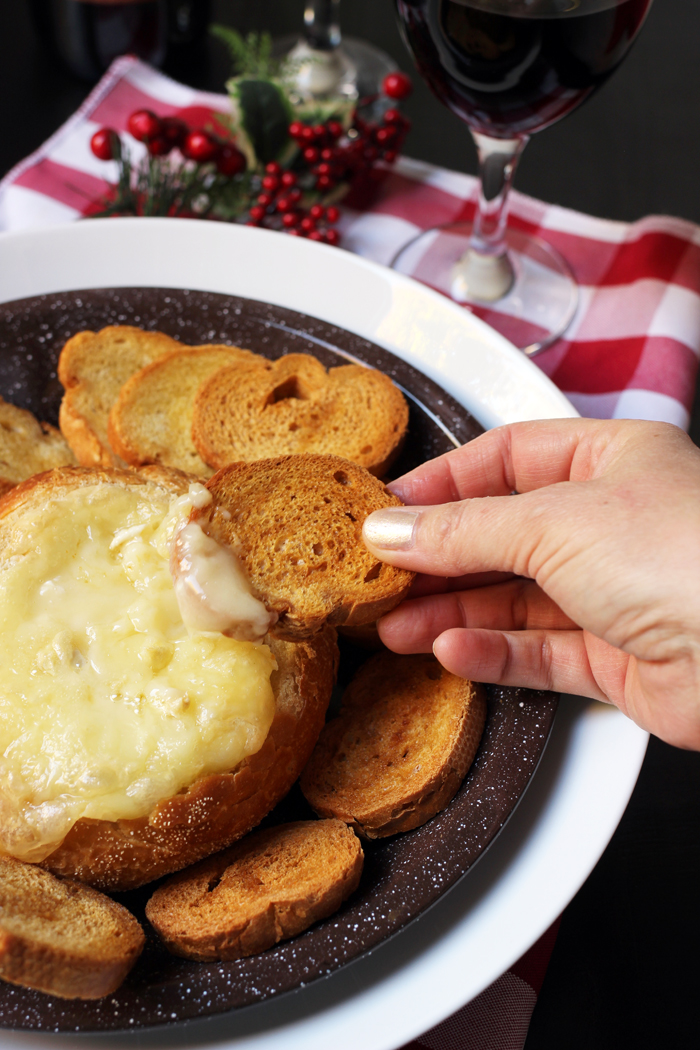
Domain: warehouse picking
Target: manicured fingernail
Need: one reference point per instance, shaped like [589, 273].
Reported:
[391, 529]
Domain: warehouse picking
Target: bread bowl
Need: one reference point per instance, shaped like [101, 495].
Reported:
[152, 834]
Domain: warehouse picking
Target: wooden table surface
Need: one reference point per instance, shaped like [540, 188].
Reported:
[625, 971]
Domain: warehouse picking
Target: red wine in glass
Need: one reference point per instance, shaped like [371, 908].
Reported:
[508, 68]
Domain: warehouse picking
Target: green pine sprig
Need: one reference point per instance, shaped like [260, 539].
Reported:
[251, 55]
[156, 188]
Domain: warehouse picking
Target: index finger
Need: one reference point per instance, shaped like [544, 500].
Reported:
[516, 457]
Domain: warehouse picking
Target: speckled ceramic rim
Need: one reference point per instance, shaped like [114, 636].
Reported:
[403, 876]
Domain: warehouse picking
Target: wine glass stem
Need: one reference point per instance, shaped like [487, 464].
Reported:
[498, 159]
[322, 24]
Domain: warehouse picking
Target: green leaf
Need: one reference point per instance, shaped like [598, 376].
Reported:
[265, 116]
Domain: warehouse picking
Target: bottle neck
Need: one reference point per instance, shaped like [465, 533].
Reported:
[322, 24]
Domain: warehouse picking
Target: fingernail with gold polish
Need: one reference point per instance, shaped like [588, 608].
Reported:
[391, 529]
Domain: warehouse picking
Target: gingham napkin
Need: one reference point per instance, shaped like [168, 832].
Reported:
[630, 352]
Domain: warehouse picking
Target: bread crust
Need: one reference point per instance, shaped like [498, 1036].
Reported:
[295, 522]
[218, 809]
[270, 887]
[61, 937]
[396, 754]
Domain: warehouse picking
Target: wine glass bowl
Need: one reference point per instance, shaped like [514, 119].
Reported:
[508, 68]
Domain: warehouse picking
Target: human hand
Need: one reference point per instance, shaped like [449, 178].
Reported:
[602, 548]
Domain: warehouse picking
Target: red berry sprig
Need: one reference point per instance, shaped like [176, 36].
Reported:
[154, 188]
[296, 200]
[279, 206]
[162, 135]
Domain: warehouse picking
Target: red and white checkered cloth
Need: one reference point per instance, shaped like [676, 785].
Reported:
[630, 352]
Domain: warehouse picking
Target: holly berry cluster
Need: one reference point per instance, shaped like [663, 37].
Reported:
[162, 135]
[328, 157]
[297, 198]
[279, 205]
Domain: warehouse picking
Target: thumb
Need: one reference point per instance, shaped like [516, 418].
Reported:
[474, 535]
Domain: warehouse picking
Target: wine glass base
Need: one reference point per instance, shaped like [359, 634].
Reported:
[532, 307]
[353, 70]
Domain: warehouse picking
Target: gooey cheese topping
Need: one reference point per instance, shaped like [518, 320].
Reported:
[108, 703]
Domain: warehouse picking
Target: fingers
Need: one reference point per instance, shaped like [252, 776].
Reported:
[473, 536]
[518, 457]
[556, 660]
[423, 585]
[513, 606]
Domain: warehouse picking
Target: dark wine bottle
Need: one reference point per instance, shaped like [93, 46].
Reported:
[87, 35]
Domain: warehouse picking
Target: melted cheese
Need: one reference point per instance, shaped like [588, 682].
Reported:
[108, 703]
[212, 589]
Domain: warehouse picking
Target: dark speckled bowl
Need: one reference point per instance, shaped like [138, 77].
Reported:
[404, 875]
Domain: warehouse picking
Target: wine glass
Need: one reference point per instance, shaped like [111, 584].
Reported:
[508, 68]
[326, 65]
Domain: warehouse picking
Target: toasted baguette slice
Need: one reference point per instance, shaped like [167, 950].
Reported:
[296, 406]
[151, 420]
[27, 446]
[271, 886]
[92, 368]
[296, 524]
[396, 754]
[61, 937]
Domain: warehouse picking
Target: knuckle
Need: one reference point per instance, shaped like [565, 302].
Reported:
[519, 604]
[448, 533]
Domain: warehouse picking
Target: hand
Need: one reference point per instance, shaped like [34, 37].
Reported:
[601, 548]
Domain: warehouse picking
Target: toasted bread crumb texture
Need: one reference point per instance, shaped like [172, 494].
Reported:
[27, 446]
[216, 810]
[92, 369]
[151, 420]
[62, 937]
[244, 414]
[296, 524]
[407, 732]
[265, 889]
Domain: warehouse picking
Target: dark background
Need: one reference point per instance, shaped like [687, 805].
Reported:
[625, 970]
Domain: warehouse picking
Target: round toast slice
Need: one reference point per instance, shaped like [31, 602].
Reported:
[151, 420]
[92, 369]
[61, 937]
[295, 522]
[296, 406]
[265, 889]
[406, 735]
[28, 447]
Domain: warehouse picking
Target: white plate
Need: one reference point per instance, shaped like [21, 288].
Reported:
[562, 825]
